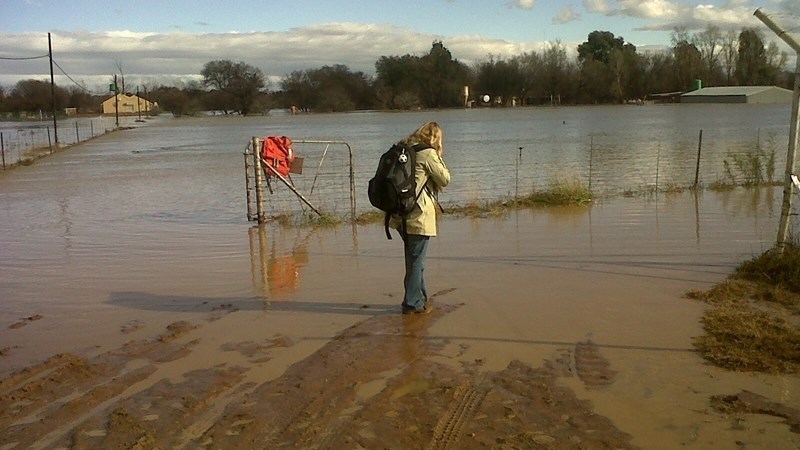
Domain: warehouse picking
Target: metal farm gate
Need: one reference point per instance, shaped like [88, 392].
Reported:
[321, 180]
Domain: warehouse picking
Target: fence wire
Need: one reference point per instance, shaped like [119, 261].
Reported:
[23, 142]
[601, 164]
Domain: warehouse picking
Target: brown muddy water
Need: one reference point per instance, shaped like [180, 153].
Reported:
[584, 304]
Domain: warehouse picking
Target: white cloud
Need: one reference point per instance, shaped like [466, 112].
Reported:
[566, 15]
[175, 56]
[522, 4]
[734, 17]
[597, 6]
[649, 9]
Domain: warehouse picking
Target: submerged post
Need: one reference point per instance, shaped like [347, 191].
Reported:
[591, 156]
[52, 87]
[257, 171]
[786, 206]
[697, 165]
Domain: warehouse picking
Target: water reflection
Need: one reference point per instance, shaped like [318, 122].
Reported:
[275, 269]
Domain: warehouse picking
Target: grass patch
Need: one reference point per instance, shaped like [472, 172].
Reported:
[563, 189]
[370, 217]
[481, 209]
[721, 186]
[307, 220]
[753, 324]
[782, 271]
[754, 167]
[746, 339]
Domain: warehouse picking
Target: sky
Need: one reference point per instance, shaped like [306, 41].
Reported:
[154, 42]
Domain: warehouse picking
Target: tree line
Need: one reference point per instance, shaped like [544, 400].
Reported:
[606, 70]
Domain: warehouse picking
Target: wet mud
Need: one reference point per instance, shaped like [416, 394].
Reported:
[380, 383]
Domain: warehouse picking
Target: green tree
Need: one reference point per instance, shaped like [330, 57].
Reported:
[82, 100]
[340, 89]
[175, 100]
[606, 65]
[241, 82]
[444, 80]
[533, 88]
[595, 82]
[298, 90]
[500, 79]
[329, 88]
[688, 64]
[555, 70]
[623, 67]
[598, 46]
[656, 69]
[752, 59]
[36, 95]
[397, 81]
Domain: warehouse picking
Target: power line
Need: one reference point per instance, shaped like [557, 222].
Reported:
[75, 82]
[23, 59]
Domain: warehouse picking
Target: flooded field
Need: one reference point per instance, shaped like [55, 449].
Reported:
[131, 258]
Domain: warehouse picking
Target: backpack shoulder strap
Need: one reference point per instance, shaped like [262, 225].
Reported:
[420, 146]
[386, 226]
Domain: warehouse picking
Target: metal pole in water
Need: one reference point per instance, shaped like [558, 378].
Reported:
[591, 155]
[658, 163]
[786, 206]
[3, 150]
[352, 184]
[259, 190]
[516, 178]
[697, 166]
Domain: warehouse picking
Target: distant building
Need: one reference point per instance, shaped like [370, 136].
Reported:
[128, 104]
[739, 94]
[664, 97]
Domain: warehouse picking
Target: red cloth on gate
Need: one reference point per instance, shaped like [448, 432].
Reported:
[278, 154]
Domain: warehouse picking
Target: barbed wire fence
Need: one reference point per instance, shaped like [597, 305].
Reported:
[22, 143]
[26, 142]
[601, 164]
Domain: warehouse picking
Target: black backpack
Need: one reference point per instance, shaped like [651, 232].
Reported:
[393, 189]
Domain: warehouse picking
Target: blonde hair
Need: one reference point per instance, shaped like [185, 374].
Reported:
[430, 133]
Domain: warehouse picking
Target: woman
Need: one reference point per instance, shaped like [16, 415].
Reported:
[431, 176]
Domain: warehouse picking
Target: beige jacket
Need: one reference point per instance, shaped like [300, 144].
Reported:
[430, 172]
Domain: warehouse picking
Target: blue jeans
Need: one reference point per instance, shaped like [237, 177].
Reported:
[416, 247]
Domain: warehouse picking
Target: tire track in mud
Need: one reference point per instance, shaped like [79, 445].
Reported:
[450, 427]
[379, 385]
[304, 407]
[591, 367]
[382, 382]
[41, 404]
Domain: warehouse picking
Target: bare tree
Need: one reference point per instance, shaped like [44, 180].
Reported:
[709, 43]
[121, 75]
[730, 54]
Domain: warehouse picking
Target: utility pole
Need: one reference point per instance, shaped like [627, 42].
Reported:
[52, 89]
[116, 101]
[786, 206]
[138, 105]
[146, 106]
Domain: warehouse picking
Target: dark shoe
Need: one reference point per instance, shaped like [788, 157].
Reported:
[427, 309]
